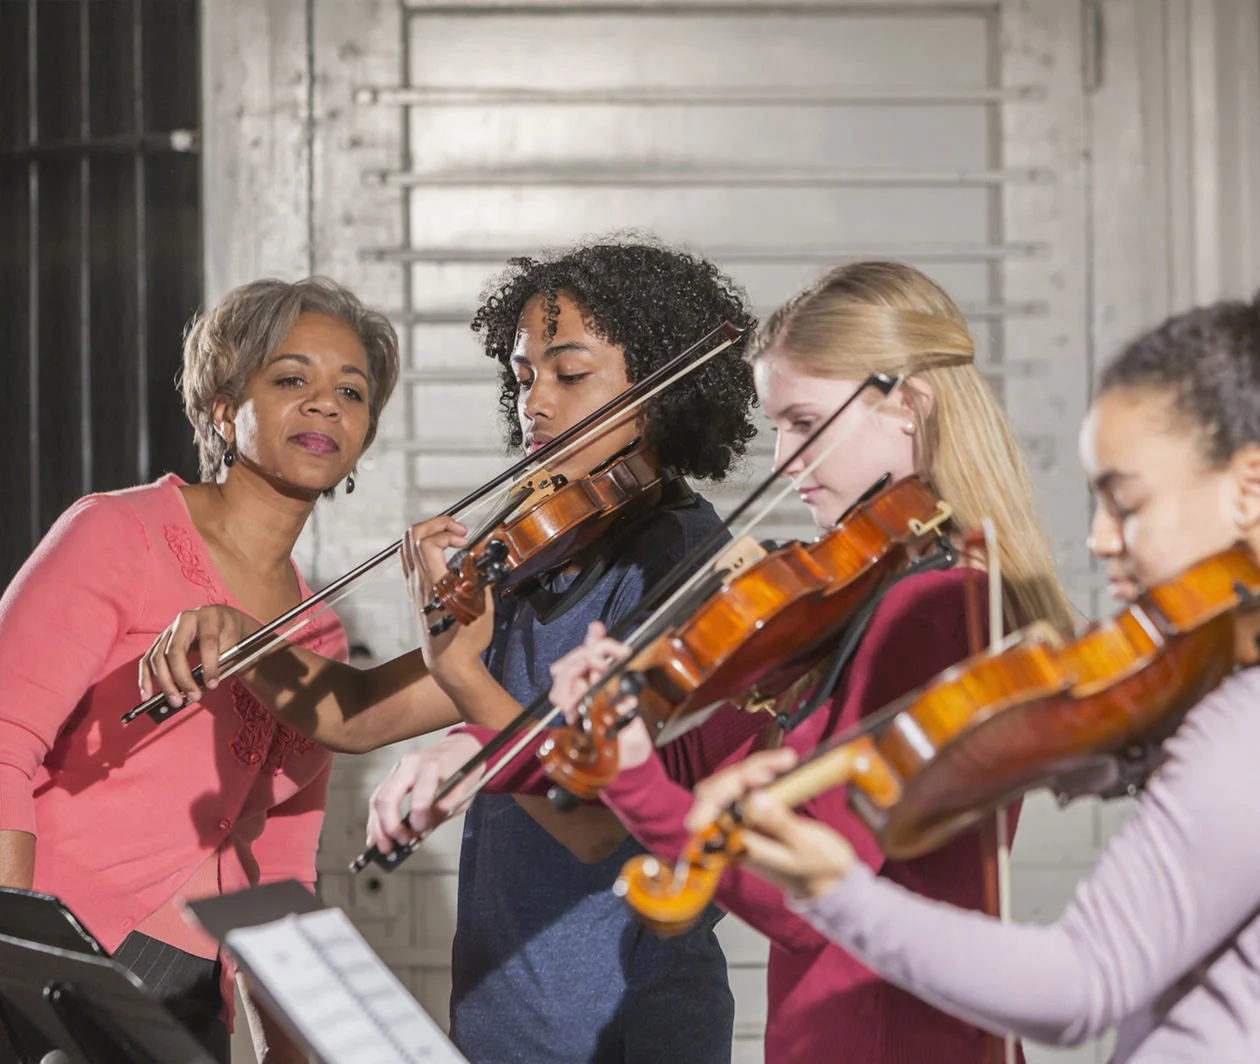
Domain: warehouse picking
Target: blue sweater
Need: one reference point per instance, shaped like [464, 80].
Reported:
[549, 967]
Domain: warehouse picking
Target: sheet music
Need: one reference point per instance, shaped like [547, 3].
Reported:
[335, 990]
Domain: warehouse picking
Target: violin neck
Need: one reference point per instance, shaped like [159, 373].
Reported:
[819, 774]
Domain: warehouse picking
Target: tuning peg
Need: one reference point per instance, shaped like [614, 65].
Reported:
[495, 553]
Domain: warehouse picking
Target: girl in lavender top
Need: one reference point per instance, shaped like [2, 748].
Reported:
[1162, 940]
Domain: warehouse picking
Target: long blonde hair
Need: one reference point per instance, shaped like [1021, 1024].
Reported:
[887, 317]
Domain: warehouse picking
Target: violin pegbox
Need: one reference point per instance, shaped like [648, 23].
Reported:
[744, 552]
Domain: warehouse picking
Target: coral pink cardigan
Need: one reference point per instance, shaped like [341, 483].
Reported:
[125, 815]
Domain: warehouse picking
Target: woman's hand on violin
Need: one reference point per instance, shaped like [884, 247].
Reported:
[423, 555]
[416, 779]
[803, 856]
[213, 630]
[575, 673]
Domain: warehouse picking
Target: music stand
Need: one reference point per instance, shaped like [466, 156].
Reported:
[42, 918]
[90, 1008]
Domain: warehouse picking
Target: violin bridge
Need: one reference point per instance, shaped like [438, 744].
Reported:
[744, 552]
[540, 483]
[922, 528]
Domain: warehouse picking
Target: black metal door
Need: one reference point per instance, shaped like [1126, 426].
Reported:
[100, 250]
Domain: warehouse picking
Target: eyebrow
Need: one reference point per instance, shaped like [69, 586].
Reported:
[554, 352]
[307, 361]
[790, 411]
[1107, 481]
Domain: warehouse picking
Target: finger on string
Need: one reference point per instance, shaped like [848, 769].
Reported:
[716, 793]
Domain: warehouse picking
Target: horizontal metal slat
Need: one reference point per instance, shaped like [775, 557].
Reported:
[710, 177]
[763, 256]
[975, 311]
[180, 141]
[421, 8]
[480, 378]
[687, 95]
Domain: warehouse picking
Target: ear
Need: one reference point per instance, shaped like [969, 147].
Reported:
[917, 399]
[222, 413]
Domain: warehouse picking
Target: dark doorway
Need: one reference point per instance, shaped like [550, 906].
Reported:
[100, 250]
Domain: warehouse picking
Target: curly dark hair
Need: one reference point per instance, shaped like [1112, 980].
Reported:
[653, 302]
[1208, 359]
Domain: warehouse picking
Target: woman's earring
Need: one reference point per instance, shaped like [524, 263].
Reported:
[229, 456]
[350, 483]
[1241, 520]
[908, 428]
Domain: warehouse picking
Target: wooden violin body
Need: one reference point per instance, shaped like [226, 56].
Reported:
[1035, 713]
[562, 519]
[766, 623]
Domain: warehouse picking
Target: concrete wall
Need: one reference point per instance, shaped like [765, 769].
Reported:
[1083, 169]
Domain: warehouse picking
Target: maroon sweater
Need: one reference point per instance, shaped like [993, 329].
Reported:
[823, 1003]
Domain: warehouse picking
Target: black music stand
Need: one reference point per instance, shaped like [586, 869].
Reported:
[43, 918]
[90, 1008]
[60, 991]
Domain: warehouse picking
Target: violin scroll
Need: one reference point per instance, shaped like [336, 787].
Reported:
[459, 591]
[582, 760]
[670, 903]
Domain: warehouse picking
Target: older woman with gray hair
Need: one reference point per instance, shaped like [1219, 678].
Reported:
[284, 386]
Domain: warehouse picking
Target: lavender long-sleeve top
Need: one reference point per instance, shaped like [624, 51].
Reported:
[1161, 941]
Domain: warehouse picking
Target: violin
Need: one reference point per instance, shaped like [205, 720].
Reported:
[1038, 712]
[563, 518]
[772, 618]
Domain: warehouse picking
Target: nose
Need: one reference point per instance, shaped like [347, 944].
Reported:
[539, 402]
[782, 448]
[1105, 539]
[323, 400]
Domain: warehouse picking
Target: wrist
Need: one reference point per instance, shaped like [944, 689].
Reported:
[456, 672]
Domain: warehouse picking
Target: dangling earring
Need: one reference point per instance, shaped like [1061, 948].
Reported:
[350, 483]
[229, 456]
[1240, 519]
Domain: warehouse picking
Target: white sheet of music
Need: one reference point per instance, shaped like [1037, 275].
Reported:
[348, 1007]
